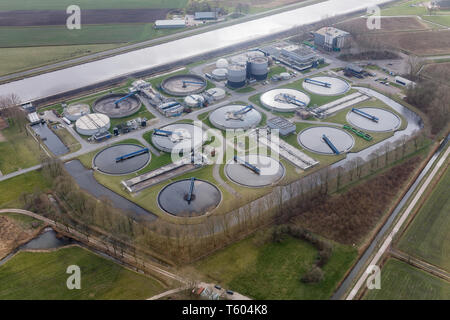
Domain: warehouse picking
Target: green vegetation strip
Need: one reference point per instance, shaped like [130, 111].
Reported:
[42, 275]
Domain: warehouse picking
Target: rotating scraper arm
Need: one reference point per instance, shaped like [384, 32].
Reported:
[330, 144]
[191, 82]
[247, 165]
[127, 96]
[243, 110]
[132, 155]
[318, 83]
[163, 133]
[365, 115]
[290, 99]
[191, 190]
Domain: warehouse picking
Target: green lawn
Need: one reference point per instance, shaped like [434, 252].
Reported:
[12, 188]
[428, 236]
[23, 58]
[405, 8]
[18, 151]
[400, 281]
[273, 270]
[42, 275]
[9, 5]
[24, 221]
[440, 19]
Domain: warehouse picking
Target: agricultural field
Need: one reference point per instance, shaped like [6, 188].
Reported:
[422, 43]
[359, 25]
[437, 71]
[10, 5]
[42, 275]
[19, 59]
[428, 237]
[261, 269]
[400, 281]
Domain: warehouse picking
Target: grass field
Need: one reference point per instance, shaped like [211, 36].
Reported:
[88, 34]
[25, 183]
[400, 281]
[405, 8]
[18, 59]
[19, 150]
[273, 270]
[9, 5]
[428, 236]
[67, 138]
[42, 275]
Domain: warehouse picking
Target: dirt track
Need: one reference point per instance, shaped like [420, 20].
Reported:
[105, 16]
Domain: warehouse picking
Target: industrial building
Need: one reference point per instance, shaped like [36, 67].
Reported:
[170, 24]
[404, 82]
[352, 70]
[208, 15]
[298, 57]
[331, 39]
[284, 126]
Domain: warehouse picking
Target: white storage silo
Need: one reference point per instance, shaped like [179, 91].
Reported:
[237, 75]
[222, 63]
[259, 68]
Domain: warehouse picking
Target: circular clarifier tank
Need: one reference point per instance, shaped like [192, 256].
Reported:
[181, 137]
[266, 171]
[117, 105]
[105, 160]
[387, 120]
[183, 85]
[312, 139]
[235, 117]
[326, 86]
[174, 198]
[284, 100]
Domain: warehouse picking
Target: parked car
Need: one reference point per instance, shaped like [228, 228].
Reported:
[218, 287]
[230, 292]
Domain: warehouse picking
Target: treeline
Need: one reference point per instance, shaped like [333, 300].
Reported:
[348, 217]
[205, 6]
[434, 100]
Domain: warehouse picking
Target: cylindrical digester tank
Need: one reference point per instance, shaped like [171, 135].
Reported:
[194, 100]
[237, 74]
[259, 67]
[216, 93]
[222, 63]
[220, 74]
[91, 124]
[75, 111]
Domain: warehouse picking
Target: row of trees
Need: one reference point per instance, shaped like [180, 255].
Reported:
[432, 98]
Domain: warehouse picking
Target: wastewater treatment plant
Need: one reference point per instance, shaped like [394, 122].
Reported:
[226, 154]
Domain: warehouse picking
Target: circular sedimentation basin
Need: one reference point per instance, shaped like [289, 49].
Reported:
[337, 86]
[105, 160]
[387, 120]
[312, 139]
[123, 108]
